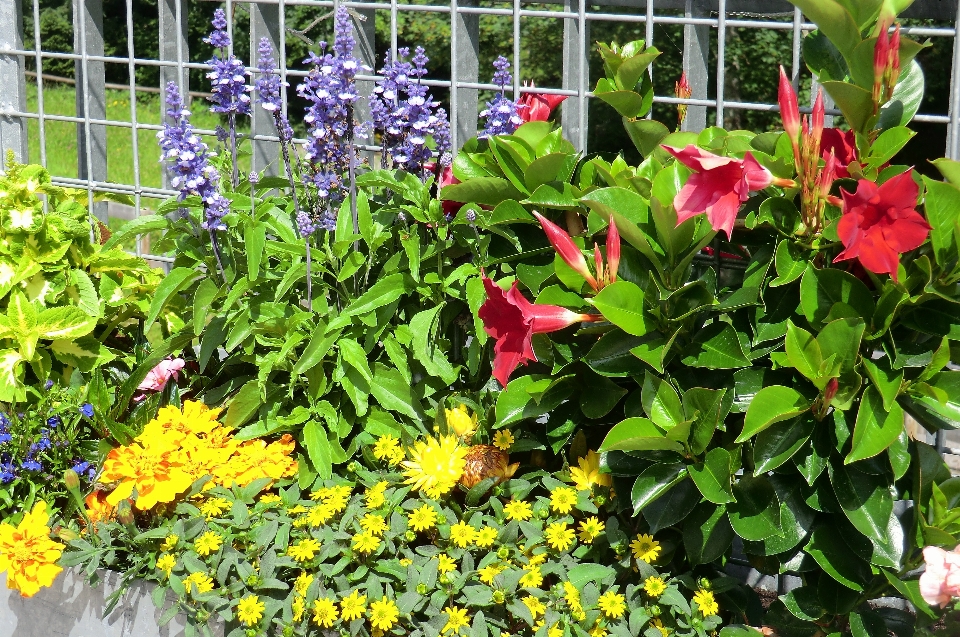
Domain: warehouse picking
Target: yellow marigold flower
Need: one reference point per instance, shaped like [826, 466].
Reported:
[192, 418]
[518, 510]
[559, 536]
[388, 448]
[373, 524]
[250, 610]
[462, 423]
[488, 573]
[302, 583]
[503, 440]
[255, 459]
[654, 586]
[197, 458]
[435, 465]
[532, 578]
[207, 543]
[170, 542]
[166, 563]
[269, 498]
[384, 614]
[147, 467]
[405, 562]
[706, 602]
[202, 582]
[485, 537]
[303, 550]
[353, 606]
[422, 519]
[590, 529]
[612, 604]
[446, 563]
[365, 542]
[587, 474]
[456, 619]
[645, 548]
[462, 534]
[324, 612]
[297, 606]
[374, 496]
[598, 630]
[213, 507]
[562, 499]
[536, 607]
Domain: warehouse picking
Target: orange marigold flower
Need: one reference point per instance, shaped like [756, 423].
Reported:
[150, 469]
[256, 459]
[97, 508]
[27, 553]
[198, 458]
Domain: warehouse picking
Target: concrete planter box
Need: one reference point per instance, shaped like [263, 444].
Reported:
[73, 608]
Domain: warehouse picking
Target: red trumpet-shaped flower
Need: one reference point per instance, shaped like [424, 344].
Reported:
[719, 185]
[572, 256]
[886, 63]
[844, 147]
[881, 223]
[790, 113]
[537, 107]
[513, 320]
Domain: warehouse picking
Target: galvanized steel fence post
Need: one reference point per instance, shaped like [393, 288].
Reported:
[91, 96]
[264, 23]
[13, 91]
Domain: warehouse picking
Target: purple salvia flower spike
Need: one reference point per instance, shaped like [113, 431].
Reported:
[501, 113]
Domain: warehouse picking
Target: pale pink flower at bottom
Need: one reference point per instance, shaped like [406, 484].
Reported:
[157, 377]
[940, 581]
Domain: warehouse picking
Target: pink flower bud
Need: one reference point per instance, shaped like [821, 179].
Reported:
[613, 251]
[566, 248]
[789, 111]
[830, 391]
[818, 114]
[598, 265]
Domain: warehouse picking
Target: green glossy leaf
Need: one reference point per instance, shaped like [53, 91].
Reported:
[790, 261]
[394, 393]
[482, 190]
[672, 507]
[176, 280]
[646, 134]
[906, 99]
[661, 402]
[716, 346]
[320, 343]
[778, 443]
[836, 598]
[637, 434]
[755, 515]
[803, 603]
[867, 501]
[772, 405]
[834, 556]
[318, 448]
[822, 290]
[707, 533]
[546, 169]
[942, 207]
[622, 304]
[627, 103]
[655, 480]
[712, 476]
[866, 623]
[877, 427]
[804, 353]
[854, 102]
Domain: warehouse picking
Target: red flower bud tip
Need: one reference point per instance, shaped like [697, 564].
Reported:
[566, 248]
[893, 67]
[881, 56]
[880, 223]
[537, 107]
[789, 112]
[718, 187]
[598, 265]
[818, 114]
[830, 391]
[828, 175]
[683, 91]
[613, 251]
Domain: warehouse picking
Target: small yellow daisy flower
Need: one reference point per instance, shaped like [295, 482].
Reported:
[612, 604]
[706, 602]
[365, 542]
[373, 524]
[562, 499]
[325, 612]
[654, 586]
[202, 581]
[384, 614]
[518, 510]
[388, 448]
[319, 515]
[302, 583]
[269, 498]
[503, 440]
[297, 606]
[214, 507]
[532, 578]
[170, 542]
[456, 619]
[485, 537]
[422, 519]
[559, 536]
[207, 543]
[536, 560]
[658, 624]
[536, 607]
[462, 534]
[250, 610]
[599, 630]
[405, 562]
[353, 606]
[374, 496]
[304, 549]
[488, 573]
[645, 548]
[446, 564]
[590, 529]
[166, 563]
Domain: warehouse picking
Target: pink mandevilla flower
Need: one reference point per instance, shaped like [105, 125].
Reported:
[513, 320]
[157, 377]
[718, 186]
[940, 582]
[537, 107]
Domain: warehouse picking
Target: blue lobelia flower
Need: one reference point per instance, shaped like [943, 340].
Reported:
[87, 410]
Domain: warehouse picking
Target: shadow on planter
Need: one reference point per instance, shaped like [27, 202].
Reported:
[73, 608]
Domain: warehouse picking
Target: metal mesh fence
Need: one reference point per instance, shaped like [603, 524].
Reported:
[70, 135]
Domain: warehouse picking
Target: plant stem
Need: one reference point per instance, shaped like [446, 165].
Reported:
[216, 253]
[306, 242]
[233, 150]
